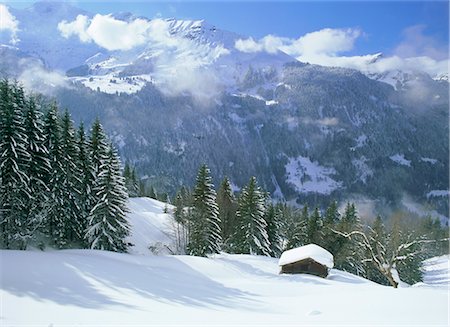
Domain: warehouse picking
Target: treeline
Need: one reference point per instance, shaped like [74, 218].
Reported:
[58, 187]
[209, 222]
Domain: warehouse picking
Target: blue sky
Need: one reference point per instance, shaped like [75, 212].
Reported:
[384, 24]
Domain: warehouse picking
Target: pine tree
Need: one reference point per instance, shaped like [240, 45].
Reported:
[107, 225]
[227, 209]
[38, 170]
[205, 233]
[251, 236]
[349, 254]
[98, 146]
[55, 224]
[131, 181]
[296, 227]
[71, 183]
[272, 218]
[14, 165]
[314, 228]
[330, 221]
[86, 197]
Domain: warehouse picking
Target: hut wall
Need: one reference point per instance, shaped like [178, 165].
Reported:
[307, 266]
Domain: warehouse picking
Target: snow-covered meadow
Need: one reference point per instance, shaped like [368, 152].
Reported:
[86, 287]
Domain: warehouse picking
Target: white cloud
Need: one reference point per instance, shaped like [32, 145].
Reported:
[9, 23]
[76, 28]
[35, 77]
[113, 34]
[107, 32]
[269, 43]
[326, 41]
[248, 45]
[178, 61]
[417, 52]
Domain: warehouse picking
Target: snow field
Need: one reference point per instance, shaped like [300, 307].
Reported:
[89, 287]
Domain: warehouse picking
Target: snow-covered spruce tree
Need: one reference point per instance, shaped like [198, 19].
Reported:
[349, 253]
[55, 222]
[295, 226]
[227, 210]
[107, 223]
[131, 181]
[251, 236]
[204, 231]
[330, 222]
[71, 183]
[314, 233]
[86, 197]
[14, 164]
[98, 146]
[38, 170]
[272, 218]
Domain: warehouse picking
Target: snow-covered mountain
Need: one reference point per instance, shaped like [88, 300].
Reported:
[177, 93]
[90, 287]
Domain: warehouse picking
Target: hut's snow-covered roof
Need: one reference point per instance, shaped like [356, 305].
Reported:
[312, 251]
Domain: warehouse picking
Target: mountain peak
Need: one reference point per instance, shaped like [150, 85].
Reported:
[50, 7]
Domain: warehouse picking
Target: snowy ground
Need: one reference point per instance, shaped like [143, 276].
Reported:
[85, 287]
[436, 272]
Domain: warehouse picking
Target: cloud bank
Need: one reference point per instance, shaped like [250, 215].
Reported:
[417, 51]
[9, 23]
[178, 61]
[35, 77]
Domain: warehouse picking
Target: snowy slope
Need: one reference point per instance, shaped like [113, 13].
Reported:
[150, 226]
[87, 287]
[101, 288]
[436, 272]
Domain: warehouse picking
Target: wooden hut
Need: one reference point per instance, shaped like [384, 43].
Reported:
[308, 259]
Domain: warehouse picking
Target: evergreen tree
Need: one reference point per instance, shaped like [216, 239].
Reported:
[205, 233]
[272, 218]
[227, 210]
[314, 228]
[38, 170]
[98, 146]
[55, 224]
[330, 221]
[297, 225]
[251, 236]
[14, 165]
[131, 181]
[86, 197]
[71, 182]
[107, 225]
[349, 254]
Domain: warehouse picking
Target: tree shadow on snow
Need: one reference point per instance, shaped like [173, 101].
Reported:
[96, 279]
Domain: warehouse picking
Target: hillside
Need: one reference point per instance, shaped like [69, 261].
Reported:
[89, 287]
[188, 96]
